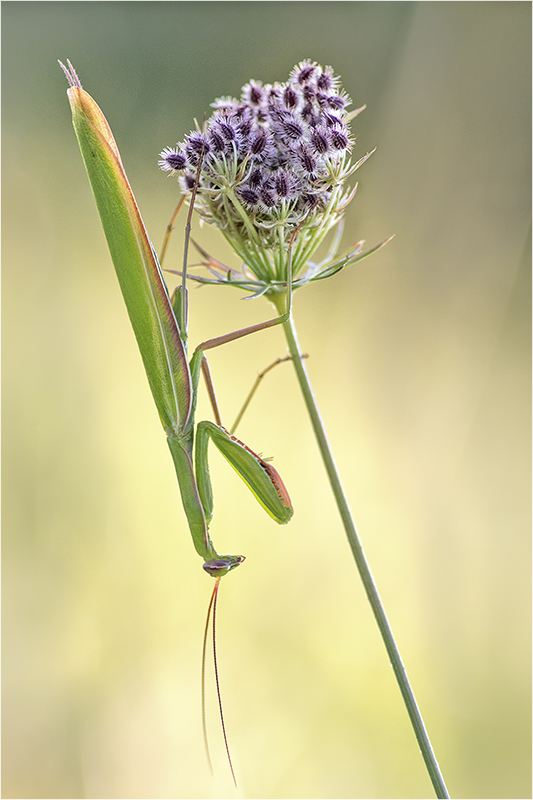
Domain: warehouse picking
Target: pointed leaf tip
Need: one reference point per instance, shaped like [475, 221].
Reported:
[70, 73]
[135, 261]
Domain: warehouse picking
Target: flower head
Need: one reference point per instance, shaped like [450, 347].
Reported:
[273, 167]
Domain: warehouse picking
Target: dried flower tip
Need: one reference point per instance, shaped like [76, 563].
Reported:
[225, 128]
[217, 141]
[339, 140]
[171, 160]
[253, 93]
[255, 178]
[292, 129]
[307, 161]
[290, 98]
[319, 141]
[267, 198]
[225, 104]
[325, 80]
[248, 195]
[303, 72]
[259, 144]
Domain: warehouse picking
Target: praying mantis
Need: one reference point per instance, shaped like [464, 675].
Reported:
[160, 325]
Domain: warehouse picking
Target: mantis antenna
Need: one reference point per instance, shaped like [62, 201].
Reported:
[213, 606]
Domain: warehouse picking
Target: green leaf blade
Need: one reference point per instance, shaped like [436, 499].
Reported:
[136, 265]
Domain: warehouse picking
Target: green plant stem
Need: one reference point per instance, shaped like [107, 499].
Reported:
[362, 564]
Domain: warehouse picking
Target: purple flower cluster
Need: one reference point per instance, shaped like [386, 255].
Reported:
[277, 149]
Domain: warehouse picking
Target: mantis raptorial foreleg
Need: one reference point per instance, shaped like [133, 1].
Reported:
[261, 478]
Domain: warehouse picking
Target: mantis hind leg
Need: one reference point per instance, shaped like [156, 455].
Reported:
[206, 372]
[256, 385]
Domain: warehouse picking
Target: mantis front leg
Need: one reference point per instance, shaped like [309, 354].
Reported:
[197, 496]
[195, 483]
[261, 478]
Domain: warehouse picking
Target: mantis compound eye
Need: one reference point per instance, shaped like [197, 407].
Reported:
[218, 567]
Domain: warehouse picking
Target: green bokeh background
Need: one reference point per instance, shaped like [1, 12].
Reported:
[420, 362]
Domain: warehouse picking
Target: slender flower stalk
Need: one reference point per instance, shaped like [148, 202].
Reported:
[273, 165]
[362, 565]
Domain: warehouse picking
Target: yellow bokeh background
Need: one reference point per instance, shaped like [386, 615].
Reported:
[420, 359]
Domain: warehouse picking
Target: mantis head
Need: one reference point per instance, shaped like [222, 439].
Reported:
[217, 567]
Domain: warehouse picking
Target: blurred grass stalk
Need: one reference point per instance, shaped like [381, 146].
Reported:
[96, 126]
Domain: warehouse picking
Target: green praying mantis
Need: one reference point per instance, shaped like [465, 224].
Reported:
[160, 325]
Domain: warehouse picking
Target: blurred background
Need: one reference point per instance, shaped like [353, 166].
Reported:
[420, 359]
